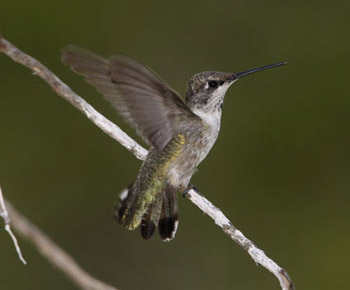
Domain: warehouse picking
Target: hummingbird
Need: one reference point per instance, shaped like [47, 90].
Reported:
[180, 132]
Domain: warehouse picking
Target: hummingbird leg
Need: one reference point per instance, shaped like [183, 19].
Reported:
[190, 187]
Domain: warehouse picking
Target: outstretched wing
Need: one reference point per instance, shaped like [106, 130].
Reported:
[155, 110]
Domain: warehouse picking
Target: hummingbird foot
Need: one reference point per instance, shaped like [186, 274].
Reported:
[190, 187]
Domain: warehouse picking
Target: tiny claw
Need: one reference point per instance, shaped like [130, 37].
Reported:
[190, 187]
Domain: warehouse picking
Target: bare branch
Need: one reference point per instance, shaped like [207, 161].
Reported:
[53, 253]
[116, 133]
[5, 216]
[224, 223]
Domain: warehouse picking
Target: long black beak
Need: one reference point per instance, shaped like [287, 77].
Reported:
[254, 70]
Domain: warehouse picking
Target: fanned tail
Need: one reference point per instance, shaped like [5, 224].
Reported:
[162, 212]
[134, 208]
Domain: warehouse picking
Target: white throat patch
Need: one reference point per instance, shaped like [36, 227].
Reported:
[212, 119]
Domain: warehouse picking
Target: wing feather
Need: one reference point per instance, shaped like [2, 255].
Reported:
[147, 103]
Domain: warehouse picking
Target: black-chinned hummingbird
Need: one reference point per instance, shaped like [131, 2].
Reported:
[180, 132]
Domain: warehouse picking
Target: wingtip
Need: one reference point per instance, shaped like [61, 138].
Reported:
[66, 51]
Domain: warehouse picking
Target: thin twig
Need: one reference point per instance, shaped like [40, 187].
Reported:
[116, 133]
[53, 253]
[5, 216]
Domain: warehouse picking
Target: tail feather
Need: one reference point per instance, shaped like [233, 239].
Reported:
[168, 222]
[123, 209]
[147, 226]
[151, 217]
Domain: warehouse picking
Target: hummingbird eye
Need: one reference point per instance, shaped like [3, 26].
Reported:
[213, 84]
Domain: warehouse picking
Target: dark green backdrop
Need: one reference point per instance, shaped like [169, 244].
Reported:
[279, 170]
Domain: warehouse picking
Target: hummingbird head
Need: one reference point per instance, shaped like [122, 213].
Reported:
[206, 90]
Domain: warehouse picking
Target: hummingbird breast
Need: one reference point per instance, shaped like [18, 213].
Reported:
[199, 139]
[177, 162]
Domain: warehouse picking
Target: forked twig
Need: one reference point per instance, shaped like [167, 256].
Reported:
[5, 216]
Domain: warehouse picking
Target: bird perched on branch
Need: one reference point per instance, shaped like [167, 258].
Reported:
[180, 132]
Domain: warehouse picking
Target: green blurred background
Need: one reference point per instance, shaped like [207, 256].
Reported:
[279, 170]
